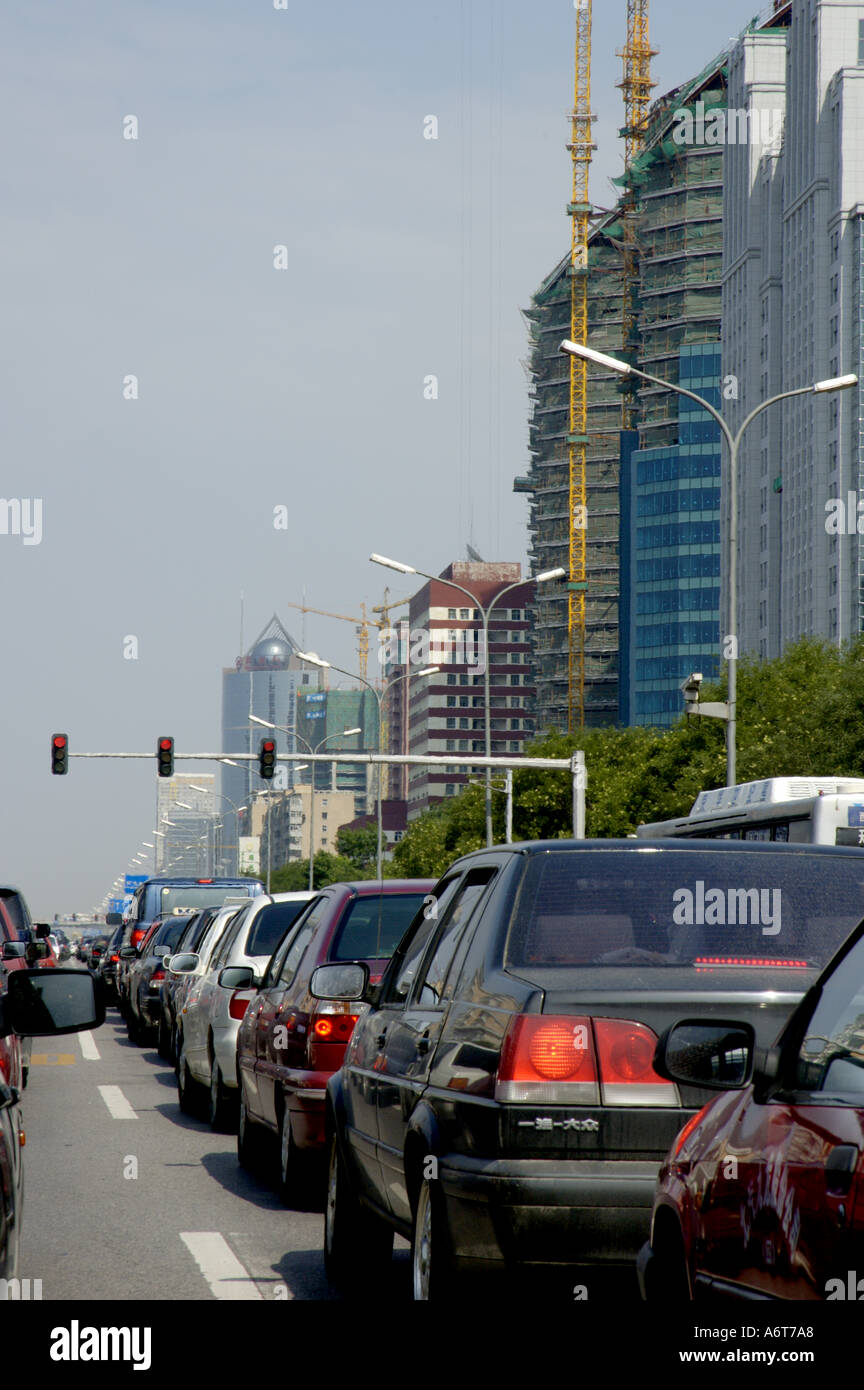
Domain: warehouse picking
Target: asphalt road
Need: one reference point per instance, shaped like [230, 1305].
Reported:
[128, 1198]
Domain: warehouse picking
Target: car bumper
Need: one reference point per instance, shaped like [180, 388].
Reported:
[528, 1211]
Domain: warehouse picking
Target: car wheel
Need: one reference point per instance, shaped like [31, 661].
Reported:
[294, 1168]
[431, 1261]
[248, 1138]
[133, 1030]
[222, 1114]
[668, 1281]
[355, 1239]
[163, 1041]
[188, 1089]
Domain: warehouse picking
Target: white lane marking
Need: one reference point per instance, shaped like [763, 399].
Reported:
[117, 1103]
[89, 1050]
[227, 1277]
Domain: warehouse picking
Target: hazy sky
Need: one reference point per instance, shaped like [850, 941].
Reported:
[257, 387]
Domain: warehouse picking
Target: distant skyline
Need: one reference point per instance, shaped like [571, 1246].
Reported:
[167, 389]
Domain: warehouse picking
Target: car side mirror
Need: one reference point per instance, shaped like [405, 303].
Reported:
[717, 1056]
[344, 981]
[113, 919]
[41, 930]
[12, 950]
[237, 977]
[127, 952]
[183, 963]
[42, 1003]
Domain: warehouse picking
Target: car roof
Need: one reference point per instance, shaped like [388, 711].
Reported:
[682, 842]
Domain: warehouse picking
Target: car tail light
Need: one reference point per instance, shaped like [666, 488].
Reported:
[138, 935]
[557, 1059]
[548, 1058]
[625, 1053]
[157, 976]
[237, 1005]
[332, 1027]
[114, 959]
[758, 961]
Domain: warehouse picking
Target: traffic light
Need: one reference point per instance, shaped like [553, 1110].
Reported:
[165, 757]
[267, 758]
[59, 754]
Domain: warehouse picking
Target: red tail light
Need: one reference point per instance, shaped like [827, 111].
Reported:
[556, 1059]
[626, 1055]
[548, 1058]
[157, 975]
[237, 1005]
[115, 959]
[138, 935]
[749, 961]
[332, 1028]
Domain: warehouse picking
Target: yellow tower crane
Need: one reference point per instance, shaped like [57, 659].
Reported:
[362, 626]
[637, 87]
[581, 148]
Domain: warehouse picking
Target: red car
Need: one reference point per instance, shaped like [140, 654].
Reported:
[762, 1194]
[289, 1044]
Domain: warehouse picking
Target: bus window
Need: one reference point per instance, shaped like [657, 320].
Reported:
[780, 832]
[758, 832]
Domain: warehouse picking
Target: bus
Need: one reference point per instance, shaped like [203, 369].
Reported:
[789, 810]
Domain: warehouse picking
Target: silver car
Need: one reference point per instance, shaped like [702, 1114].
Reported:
[212, 1013]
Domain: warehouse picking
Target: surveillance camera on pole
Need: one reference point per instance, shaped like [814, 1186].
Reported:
[712, 709]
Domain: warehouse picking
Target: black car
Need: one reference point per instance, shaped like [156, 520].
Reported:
[498, 1103]
[107, 967]
[146, 972]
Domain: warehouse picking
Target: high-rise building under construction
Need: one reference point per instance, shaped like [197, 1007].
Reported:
[652, 472]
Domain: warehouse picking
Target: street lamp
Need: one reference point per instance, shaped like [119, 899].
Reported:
[316, 660]
[208, 791]
[733, 441]
[542, 578]
[346, 733]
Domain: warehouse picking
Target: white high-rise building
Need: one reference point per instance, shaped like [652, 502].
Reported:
[792, 315]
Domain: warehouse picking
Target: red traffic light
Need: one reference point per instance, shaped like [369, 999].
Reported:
[267, 758]
[165, 757]
[59, 754]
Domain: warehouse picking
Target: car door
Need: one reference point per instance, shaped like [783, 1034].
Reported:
[418, 1007]
[196, 1002]
[273, 1041]
[785, 1216]
[247, 1043]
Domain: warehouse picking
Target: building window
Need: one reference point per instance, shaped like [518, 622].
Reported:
[478, 680]
[514, 723]
[477, 702]
[515, 680]
[449, 789]
[516, 614]
[463, 680]
[451, 612]
[451, 723]
[463, 723]
[464, 613]
[451, 745]
[464, 701]
[451, 679]
[451, 701]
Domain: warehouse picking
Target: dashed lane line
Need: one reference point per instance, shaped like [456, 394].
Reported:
[118, 1105]
[89, 1050]
[226, 1276]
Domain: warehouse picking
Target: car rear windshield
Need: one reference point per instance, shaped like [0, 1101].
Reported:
[372, 927]
[646, 912]
[270, 925]
[198, 895]
[170, 933]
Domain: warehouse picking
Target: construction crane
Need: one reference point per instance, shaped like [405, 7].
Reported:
[362, 626]
[579, 210]
[637, 87]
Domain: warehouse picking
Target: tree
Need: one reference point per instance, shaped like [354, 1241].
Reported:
[328, 868]
[360, 846]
